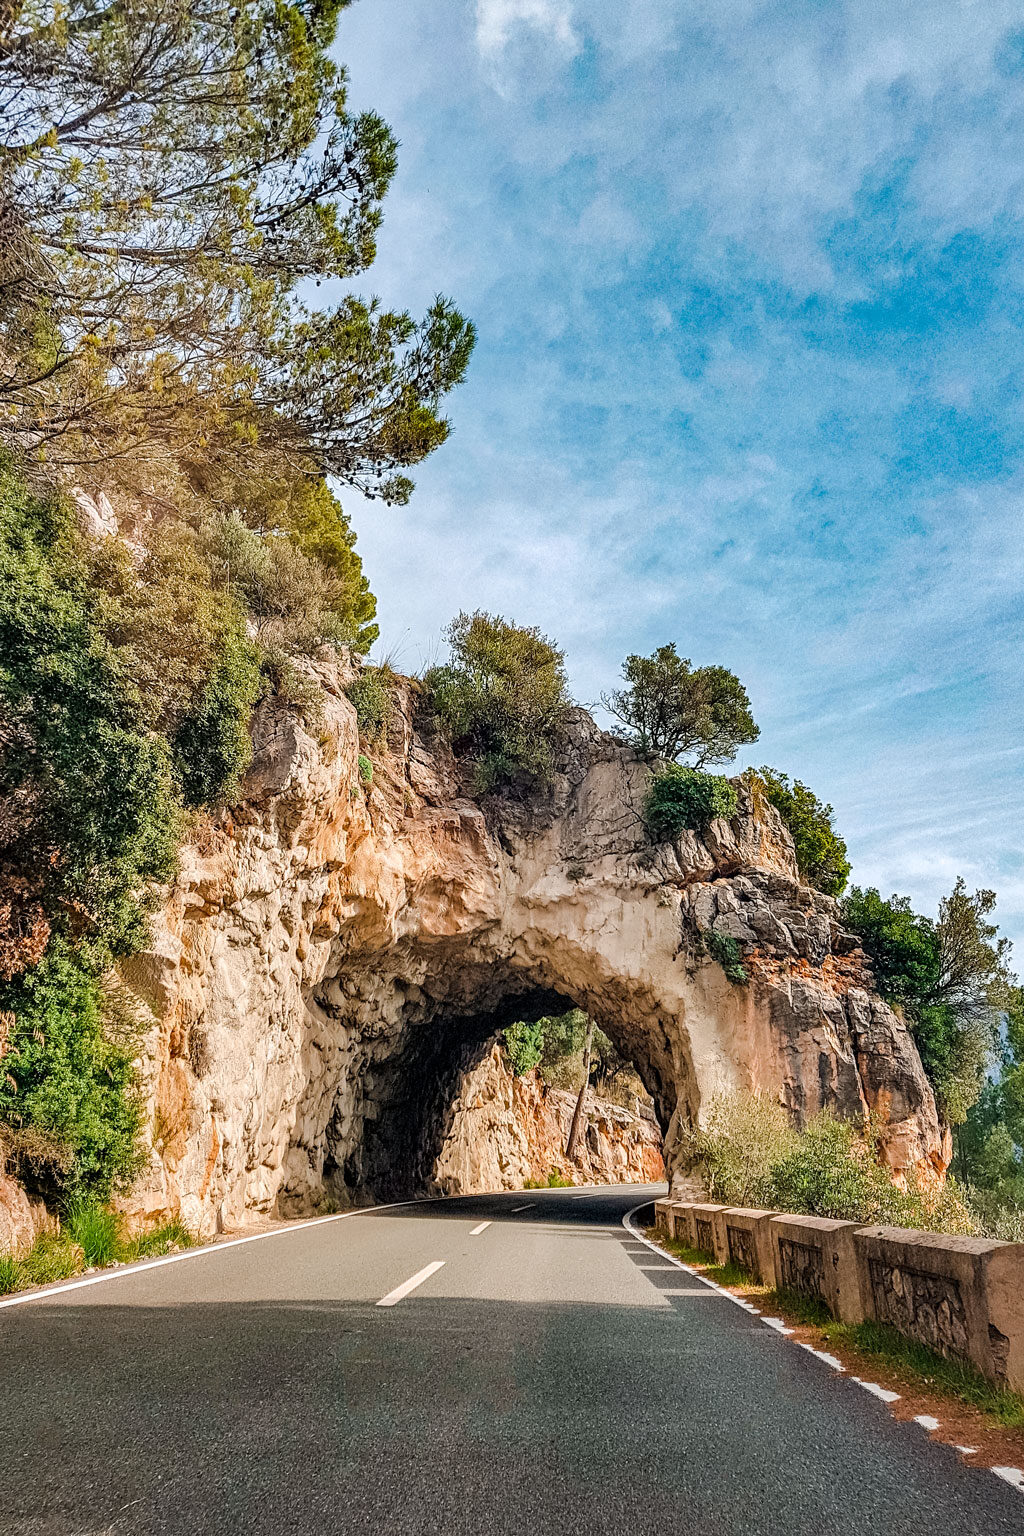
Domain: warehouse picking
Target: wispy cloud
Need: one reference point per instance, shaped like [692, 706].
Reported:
[498, 21]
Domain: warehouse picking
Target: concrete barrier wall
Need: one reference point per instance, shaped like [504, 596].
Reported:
[962, 1296]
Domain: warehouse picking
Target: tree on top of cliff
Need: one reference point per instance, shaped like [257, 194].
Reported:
[671, 710]
[820, 851]
[169, 173]
[500, 700]
[950, 976]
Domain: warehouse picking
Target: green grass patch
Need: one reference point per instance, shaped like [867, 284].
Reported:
[699, 1258]
[96, 1228]
[91, 1238]
[172, 1236]
[554, 1180]
[953, 1378]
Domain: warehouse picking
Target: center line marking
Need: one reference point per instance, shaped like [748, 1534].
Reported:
[527, 1207]
[477, 1230]
[395, 1296]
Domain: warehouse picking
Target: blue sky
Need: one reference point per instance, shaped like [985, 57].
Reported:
[749, 283]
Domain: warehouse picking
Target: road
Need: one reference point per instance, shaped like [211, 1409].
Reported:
[552, 1375]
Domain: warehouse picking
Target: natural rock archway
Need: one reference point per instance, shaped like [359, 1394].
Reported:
[331, 956]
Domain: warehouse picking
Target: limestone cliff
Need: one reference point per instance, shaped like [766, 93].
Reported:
[334, 957]
[505, 1131]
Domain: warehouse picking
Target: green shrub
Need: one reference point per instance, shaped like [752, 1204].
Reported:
[729, 955]
[372, 695]
[96, 1228]
[820, 851]
[365, 771]
[90, 785]
[687, 799]
[500, 701]
[749, 1153]
[524, 1045]
[70, 1071]
[212, 745]
[10, 1274]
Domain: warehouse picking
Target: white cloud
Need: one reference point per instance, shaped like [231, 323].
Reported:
[498, 20]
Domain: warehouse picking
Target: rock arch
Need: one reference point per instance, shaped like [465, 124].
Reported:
[335, 949]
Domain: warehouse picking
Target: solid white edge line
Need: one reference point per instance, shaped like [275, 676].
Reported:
[196, 1253]
[401, 1291]
[478, 1229]
[1011, 1475]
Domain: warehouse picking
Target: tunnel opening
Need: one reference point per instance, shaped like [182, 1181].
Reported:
[443, 1109]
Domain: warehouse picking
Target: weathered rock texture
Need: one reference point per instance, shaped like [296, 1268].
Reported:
[22, 1219]
[505, 1130]
[332, 956]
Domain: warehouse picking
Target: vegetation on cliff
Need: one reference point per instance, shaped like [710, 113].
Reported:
[170, 181]
[500, 700]
[820, 851]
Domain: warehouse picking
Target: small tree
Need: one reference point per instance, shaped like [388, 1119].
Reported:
[672, 710]
[951, 977]
[820, 851]
[501, 699]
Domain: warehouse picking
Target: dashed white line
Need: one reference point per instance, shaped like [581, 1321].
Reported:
[527, 1207]
[777, 1324]
[1012, 1475]
[926, 1421]
[477, 1230]
[394, 1297]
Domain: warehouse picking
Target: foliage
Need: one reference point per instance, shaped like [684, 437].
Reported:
[950, 977]
[726, 950]
[500, 700]
[372, 694]
[820, 851]
[524, 1045]
[53, 1256]
[750, 1154]
[171, 175]
[87, 798]
[69, 1070]
[670, 710]
[212, 744]
[365, 771]
[686, 799]
[91, 1236]
[555, 1180]
[95, 1228]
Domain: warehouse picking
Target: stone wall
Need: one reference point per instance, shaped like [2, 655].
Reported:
[961, 1296]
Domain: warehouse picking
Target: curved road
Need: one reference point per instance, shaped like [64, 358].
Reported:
[547, 1373]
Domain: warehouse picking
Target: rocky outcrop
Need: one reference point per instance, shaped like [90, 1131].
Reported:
[22, 1219]
[334, 957]
[506, 1131]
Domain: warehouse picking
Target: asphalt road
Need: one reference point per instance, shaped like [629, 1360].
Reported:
[553, 1375]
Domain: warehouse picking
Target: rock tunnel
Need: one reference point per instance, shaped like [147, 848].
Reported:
[344, 954]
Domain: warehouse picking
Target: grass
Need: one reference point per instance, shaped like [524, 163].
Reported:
[699, 1258]
[554, 1180]
[877, 1341]
[91, 1237]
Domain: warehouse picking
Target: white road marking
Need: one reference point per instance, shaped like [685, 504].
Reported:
[821, 1354]
[877, 1391]
[777, 1324]
[477, 1230]
[528, 1207]
[926, 1421]
[1012, 1475]
[966, 1450]
[394, 1297]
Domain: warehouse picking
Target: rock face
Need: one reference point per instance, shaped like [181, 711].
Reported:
[506, 1130]
[334, 958]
